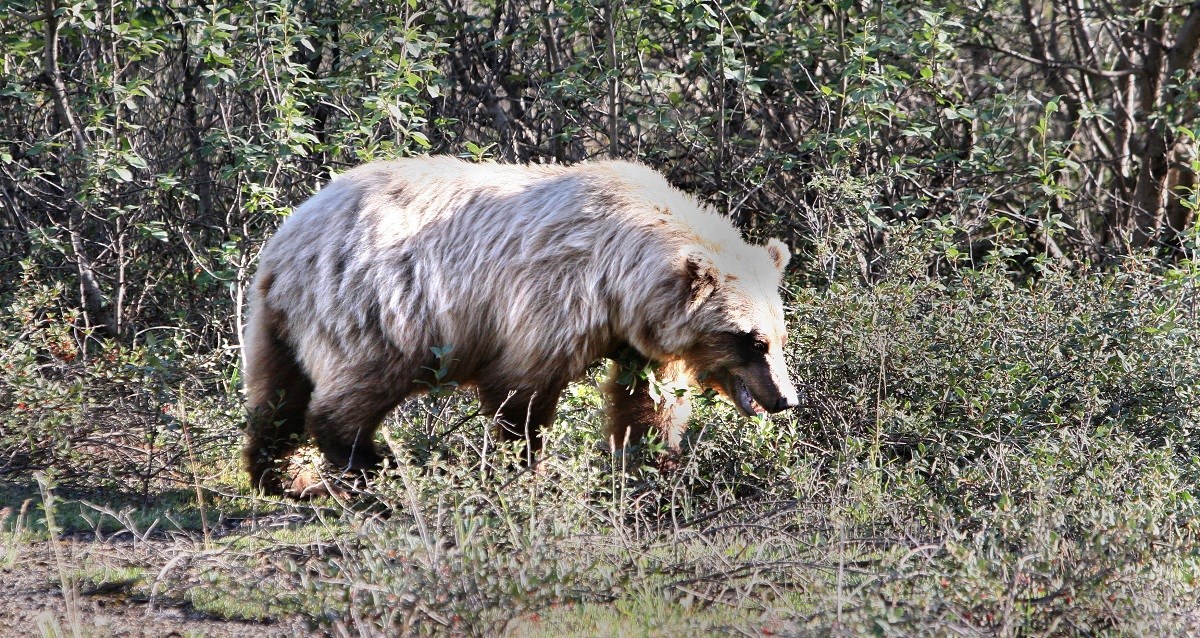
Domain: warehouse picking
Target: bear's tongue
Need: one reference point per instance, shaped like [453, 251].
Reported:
[744, 401]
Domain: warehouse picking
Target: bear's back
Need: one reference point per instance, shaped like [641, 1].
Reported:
[435, 251]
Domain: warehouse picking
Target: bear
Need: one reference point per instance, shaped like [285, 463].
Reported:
[522, 277]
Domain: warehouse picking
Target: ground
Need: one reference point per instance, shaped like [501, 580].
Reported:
[110, 598]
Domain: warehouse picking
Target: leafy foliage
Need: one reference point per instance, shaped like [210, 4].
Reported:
[1002, 386]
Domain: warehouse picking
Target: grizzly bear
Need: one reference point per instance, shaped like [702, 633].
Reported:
[529, 275]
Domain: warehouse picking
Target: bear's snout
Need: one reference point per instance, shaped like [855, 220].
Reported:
[756, 389]
[781, 393]
[786, 402]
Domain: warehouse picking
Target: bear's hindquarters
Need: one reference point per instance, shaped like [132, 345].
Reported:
[278, 394]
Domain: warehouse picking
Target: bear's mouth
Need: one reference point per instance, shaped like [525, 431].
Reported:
[744, 400]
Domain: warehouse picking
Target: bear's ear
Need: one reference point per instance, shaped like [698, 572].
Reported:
[779, 252]
[702, 279]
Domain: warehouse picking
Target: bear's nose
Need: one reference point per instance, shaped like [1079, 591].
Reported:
[786, 403]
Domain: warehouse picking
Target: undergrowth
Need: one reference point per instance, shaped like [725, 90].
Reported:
[981, 450]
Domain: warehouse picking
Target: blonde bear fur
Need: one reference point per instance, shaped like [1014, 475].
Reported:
[530, 273]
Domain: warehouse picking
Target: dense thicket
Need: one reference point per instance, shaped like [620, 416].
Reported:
[147, 148]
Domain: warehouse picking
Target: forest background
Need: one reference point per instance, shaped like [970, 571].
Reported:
[993, 205]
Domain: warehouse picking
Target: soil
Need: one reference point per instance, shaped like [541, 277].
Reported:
[31, 598]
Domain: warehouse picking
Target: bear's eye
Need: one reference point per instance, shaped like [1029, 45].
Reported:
[759, 342]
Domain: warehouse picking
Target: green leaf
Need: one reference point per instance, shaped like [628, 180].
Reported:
[120, 173]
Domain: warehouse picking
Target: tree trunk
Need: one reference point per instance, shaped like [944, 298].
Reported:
[1150, 195]
[89, 288]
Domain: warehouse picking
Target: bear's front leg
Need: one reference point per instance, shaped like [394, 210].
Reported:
[521, 414]
[348, 407]
[634, 410]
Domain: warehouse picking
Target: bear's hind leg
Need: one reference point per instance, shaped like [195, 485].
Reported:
[278, 393]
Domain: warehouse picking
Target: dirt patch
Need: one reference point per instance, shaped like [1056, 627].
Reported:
[32, 600]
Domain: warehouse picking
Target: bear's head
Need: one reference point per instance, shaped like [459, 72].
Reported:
[734, 321]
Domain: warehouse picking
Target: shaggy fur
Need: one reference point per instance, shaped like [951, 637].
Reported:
[530, 273]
